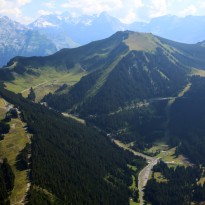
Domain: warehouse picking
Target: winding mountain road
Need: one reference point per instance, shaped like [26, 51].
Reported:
[144, 176]
[34, 86]
[145, 172]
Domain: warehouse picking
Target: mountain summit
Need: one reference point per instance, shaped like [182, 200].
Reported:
[137, 66]
[50, 33]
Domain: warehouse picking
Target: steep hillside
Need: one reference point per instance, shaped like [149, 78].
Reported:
[72, 163]
[151, 67]
[64, 67]
[124, 67]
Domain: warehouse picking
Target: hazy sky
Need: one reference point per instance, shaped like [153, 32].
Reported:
[126, 10]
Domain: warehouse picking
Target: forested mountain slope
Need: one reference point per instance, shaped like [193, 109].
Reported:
[124, 67]
[135, 87]
[150, 67]
[73, 162]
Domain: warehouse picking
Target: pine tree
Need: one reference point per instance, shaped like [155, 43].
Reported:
[32, 95]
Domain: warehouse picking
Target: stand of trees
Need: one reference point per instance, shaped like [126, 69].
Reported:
[4, 128]
[187, 122]
[143, 125]
[6, 182]
[32, 95]
[180, 189]
[75, 163]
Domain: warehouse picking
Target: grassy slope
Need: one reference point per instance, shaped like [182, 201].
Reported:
[133, 203]
[129, 70]
[167, 154]
[49, 80]
[69, 65]
[93, 91]
[10, 147]
[91, 56]
[159, 177]
[141, 42]
[65, 67]
[2, 108]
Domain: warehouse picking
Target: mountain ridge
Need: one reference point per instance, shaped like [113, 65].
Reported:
[156, 59]
[65, 31]
[150, 67]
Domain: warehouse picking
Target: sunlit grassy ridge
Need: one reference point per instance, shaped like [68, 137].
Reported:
[141, 42]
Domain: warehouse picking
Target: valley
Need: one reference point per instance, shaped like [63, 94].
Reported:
[166, 154]
[144, 174]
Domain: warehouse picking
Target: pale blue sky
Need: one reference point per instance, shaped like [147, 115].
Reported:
[128, 11]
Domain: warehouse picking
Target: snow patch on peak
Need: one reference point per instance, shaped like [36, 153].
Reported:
[43, 23]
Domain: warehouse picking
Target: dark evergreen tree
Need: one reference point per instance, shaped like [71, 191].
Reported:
[32, 95]
[6, 182]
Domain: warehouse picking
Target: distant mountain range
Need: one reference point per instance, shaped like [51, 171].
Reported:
[17, 40]
[81, 30]
[85, 29]
[51, 33]
[185, 30]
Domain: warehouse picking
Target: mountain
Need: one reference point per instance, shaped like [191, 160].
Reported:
[81, 30]
[103, 78]
[50, 33]
[141, 89]
[139, 66]
[107, 75]
[71, 163]
[187, 29]
[17, 40]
